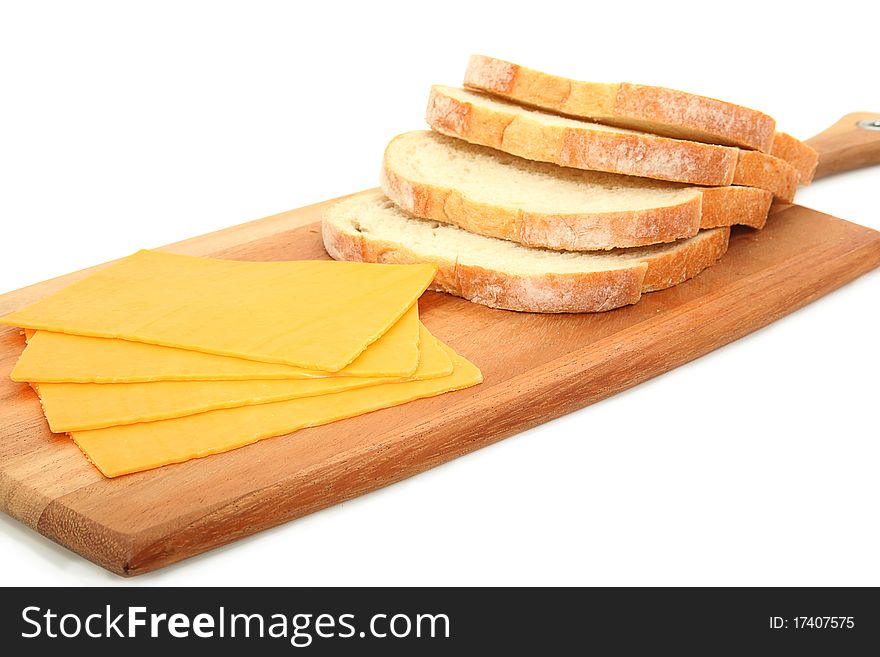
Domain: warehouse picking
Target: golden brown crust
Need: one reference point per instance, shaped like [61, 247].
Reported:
[802, 157]
[503, 78]
[448, 116]
[647, 156]
[727, 206]
[635, 154]
[641, 107]
[754, 169]
[547, 293]
[671, 269]
[610, 230]
[693, 117]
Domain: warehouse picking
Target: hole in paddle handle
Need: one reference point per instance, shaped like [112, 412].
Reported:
[869, 124]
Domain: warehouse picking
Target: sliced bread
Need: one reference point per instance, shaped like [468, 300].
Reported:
[492, 193]
[640, 107]
[368, 227]
[535, 135]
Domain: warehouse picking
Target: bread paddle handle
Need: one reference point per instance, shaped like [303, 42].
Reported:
[852, 142]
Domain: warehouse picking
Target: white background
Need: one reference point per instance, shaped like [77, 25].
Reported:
[131, 125]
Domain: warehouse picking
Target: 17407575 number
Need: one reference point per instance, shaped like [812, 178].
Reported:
[824, 622]
[813, 622]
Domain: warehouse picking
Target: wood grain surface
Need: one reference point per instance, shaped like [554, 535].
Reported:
[845, 146]
[549, 366]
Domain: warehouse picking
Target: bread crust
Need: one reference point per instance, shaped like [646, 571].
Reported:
[585, 147]
[735, 205]
[802, 157]
[545, 293]
[670, 269]
[710, 207]
[754, 169]
[641, 107]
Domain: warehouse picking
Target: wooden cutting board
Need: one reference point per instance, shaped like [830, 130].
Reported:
[549, 365]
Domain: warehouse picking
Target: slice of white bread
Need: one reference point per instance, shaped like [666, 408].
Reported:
[534, 135]
[659, 110]
[492, 193]
[368, 227]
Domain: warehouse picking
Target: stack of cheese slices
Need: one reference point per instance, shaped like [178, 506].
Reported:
[161, 358]
[545, 194]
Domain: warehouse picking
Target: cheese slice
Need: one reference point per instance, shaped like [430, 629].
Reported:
[62, 358]
[135, 447]
[82, 406]
[315, 314]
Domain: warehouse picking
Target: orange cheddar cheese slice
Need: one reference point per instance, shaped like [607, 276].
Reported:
[83, 406]
[313, 314]
[62, 358]
[135, 447]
